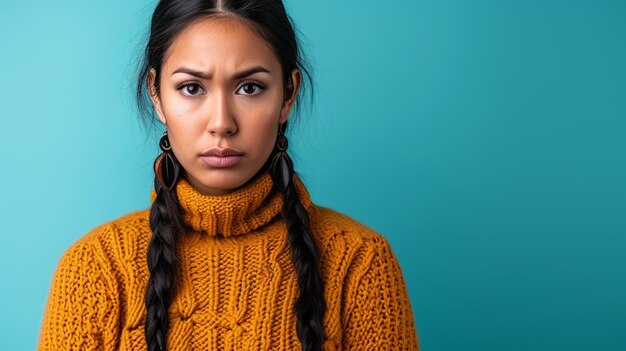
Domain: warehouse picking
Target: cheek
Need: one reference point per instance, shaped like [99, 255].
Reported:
[175, 106]
[182, 119]
[180, 109]
[262, 131]
[259, 122]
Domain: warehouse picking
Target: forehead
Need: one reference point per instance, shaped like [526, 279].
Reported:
[221, 43]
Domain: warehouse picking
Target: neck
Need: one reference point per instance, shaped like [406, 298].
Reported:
[241, 211]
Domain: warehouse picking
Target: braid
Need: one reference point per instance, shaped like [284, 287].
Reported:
[310, 306]
[166, 223]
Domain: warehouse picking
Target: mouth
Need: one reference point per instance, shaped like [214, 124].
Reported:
[222, 152]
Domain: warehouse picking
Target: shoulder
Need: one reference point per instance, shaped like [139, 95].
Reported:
[128, 224]
[330, 223]
[111, 242]
[341, 237]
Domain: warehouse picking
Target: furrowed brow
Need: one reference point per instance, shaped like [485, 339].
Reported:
[207, 76]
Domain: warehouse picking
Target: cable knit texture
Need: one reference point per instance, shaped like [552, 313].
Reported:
[235, 283]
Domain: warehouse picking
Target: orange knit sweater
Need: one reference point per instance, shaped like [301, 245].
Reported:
[236, 284]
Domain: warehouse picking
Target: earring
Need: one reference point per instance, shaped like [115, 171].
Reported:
[166, 167]
[281, 168]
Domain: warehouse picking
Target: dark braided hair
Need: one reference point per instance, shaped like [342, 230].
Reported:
[310, 305]
[166, 224]
[170, 17]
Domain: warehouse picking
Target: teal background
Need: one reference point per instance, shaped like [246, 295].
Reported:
[485, 139]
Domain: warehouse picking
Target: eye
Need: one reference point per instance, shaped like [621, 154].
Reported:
[191, 92]
[252, 88]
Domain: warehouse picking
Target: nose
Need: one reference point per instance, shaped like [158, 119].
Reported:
[221, 120]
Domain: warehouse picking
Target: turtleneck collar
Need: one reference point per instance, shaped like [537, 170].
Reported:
[241, 211]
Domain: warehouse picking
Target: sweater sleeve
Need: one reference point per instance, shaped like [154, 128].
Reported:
[82, 309]
[377, 311]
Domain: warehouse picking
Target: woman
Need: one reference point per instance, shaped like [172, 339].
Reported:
[232, 254]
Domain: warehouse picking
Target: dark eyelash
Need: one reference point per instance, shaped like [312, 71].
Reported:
[256, 82]
[184, 84]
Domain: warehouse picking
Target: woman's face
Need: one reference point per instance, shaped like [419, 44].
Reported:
[235, 99]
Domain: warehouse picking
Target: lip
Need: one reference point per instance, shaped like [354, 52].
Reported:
[220, 158]
[222, 152]
[221, 161]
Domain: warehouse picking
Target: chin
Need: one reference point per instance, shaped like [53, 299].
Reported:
[222, 180]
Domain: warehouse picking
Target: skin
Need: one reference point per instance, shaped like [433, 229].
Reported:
[220, 110]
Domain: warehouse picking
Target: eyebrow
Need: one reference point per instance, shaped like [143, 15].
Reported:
[238, 75]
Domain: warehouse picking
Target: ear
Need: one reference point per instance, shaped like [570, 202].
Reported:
[154, 96]
[291, 92]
